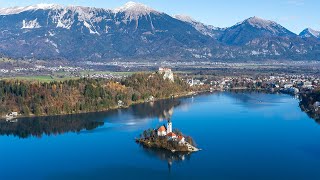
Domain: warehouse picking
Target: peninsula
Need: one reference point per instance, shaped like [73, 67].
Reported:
[31, 98]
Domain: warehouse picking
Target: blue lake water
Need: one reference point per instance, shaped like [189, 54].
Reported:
[244, 136]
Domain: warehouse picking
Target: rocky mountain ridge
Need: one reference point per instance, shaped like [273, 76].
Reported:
[138, 32]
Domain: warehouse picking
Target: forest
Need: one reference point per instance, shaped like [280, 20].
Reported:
[31, 98]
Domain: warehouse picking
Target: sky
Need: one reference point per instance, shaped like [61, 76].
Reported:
[294, 15]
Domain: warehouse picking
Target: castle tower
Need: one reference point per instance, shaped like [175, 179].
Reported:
[169, 127]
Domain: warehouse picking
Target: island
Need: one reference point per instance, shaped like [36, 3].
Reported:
[166, 138]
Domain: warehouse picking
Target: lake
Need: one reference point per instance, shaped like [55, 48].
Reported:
[244, 136]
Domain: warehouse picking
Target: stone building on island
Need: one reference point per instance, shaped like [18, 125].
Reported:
[167, 132]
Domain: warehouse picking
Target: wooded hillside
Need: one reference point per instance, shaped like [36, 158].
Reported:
[83, 95]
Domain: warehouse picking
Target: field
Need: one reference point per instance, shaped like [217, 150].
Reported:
[63, 76]
[39, 78]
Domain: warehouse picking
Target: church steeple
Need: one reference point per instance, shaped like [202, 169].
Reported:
[169, 126]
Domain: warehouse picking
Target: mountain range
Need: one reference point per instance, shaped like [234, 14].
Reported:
[138, 32]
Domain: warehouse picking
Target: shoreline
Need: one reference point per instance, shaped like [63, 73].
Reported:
[180, 95]
[152, 145]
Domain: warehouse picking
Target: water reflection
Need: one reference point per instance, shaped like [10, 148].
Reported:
[162, 109]
[134, 115]
[311, 114]
[261, 100]
[254, 99]
[167, 156]
[56, 125]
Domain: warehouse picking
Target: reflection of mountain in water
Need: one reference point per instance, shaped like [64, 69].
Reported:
[56, 125]
[167, 156]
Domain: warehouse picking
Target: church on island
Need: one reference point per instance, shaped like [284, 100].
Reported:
[165, 138]
[167, 132]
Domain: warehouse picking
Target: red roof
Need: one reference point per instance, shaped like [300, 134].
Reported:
[162, 128]
[180, 138]
[171, 134]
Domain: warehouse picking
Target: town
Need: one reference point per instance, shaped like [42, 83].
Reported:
[292, 84]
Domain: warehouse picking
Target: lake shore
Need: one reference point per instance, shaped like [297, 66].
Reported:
[180, 95]
[185, 148]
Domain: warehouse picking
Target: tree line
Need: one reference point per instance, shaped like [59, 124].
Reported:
[83, 95]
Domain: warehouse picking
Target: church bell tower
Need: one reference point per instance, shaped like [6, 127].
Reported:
[169, 127]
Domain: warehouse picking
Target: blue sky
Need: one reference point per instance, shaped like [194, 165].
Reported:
[292, 14]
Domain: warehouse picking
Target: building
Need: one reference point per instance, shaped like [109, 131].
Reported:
[307, 84]
[195, 82]
[167, 73]
[172, 136]
[167, 131]
[162, 131]
[150, 99]
[286, 86]
[10, 117]
[14, 114]
[190, 82]
[181, 140]
[120, 103]
[169, 127]
[163, 70]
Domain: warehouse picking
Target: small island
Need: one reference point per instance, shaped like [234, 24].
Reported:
[166, 138]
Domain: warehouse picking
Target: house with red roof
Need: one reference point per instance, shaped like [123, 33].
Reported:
[172, 136]
[181, 139]
[162, 131]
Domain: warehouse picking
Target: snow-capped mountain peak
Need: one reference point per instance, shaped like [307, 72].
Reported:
[260, 23]
[17, 10]
[314, 32]
[136, 31]
[134, 10]
[185, 18]
[310, 33]
[207, 30]
[265, 25]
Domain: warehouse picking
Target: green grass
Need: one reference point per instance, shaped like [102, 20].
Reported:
[182, 72]
[39, 78]
[63, 76]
